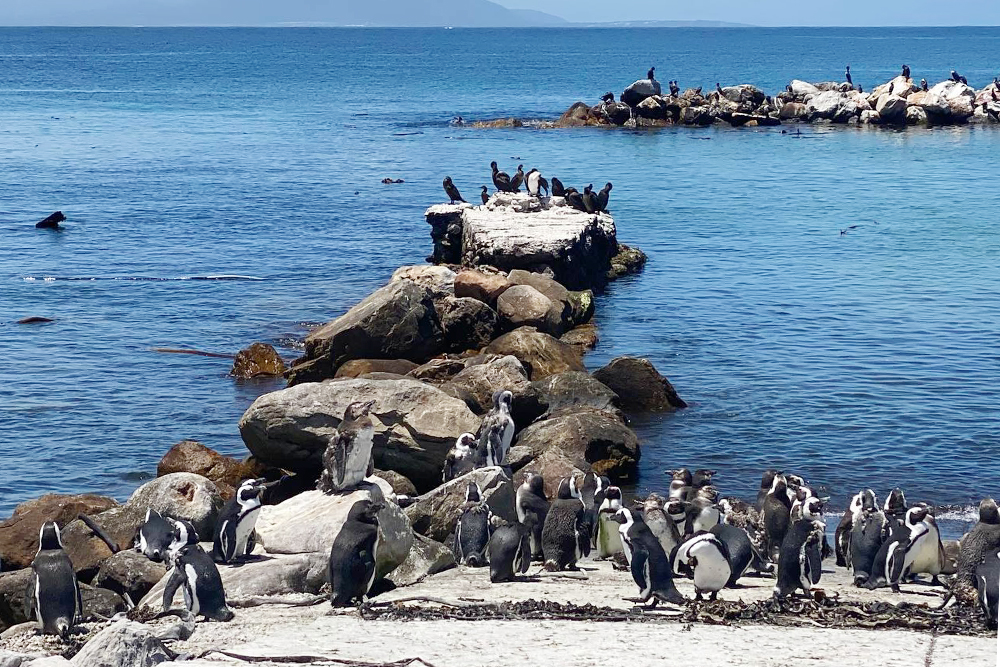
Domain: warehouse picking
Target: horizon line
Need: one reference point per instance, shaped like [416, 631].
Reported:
[568, 25]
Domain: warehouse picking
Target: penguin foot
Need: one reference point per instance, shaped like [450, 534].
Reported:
[935, 581]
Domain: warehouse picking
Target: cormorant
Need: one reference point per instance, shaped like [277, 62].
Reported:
[575, 199]
[590, 199]
[452, 191]
[557, 188]
[608, 98]
[500, 179]
[955, 77]
[718, 88]
[906, 71]
[649, 74]
[485, 194]
[848, 75]
[515, 182]
[602, 197]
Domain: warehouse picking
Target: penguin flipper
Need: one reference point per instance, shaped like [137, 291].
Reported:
[251, 542]
[639, 558]
[173, 583]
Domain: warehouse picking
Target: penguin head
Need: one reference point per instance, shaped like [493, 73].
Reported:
[49, 536]
[612, 500]
[358, 409]
[503, 399]
[869, 502]
[184, 534]
[709, 493]
[652, 501]
[565, 491]
[366, 511]
[249, 490]
[702, 477]
[916, 514]
[676, 508]
[535, 483]
[473, 494]
[779, 486]
[812, 509]
[682, 475]
[574, 491]
[624, 516]
[988, 512]
[767, 479]
[465, 443]
[896, 502]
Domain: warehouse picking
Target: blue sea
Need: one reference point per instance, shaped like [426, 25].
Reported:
[864, 358]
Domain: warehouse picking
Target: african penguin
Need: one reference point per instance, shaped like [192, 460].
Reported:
[510, 550]
[777, 516]
[680, 484]
[648, 563]
[565, 535]
[706, 555]
[353, 555]
[530, 503]
[868, 528]
[347, 459]
[154, 536]
[988, 587]
[588, 495]
[766, 482]
[235, 537]
[53, 593]
[496, 433]
[195, 573]
[463, 457]
[660, 523]
[533, 182]
[472, 532]
[609, 540]
[895, 508]
[702, 513]
[842, 537]
[921, 552]
[800, 560]
[740, 550]
[979, 542]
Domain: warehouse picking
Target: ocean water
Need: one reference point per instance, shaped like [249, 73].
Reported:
[868, 358]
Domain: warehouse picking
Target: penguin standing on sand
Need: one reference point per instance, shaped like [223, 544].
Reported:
[53, 593]
[558, 190]
[565, 536]
[532, 507]
[195, 573]
[867, 534]
[648, 563]
[609, 541]
[496, 433]
[741, 552]
[472, 533]
[154, 537]
[485, 195]
[510, 551]
[702, 512]
[988, 587]
[449, 189]
[979, 542]
[800, 560]
[235, 536]
[501, 179]
[895, 508]
[463, 457]
[708, 559]
[347, 459]
[921, 552]
[842, 537]
[777, 509]
[352, 556]
[660, 523]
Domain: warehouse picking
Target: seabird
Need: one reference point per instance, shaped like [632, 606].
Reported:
[590, 203]
[451, 190]
[906, 71]
[602, 197]
[923, 85]
[500, 179]
[515, 182]
[649, 74]
[608, 98]
[848, 75]
[718, 88]
[557, 188]
[575, 199]
[485, 194]
[955, 77]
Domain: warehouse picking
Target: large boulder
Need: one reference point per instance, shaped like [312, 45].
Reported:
[100, 601]
[122, 643]
[311, 521]
[595, 436]
[580, 114]
[12, 587]
[361, 367]
[485, 287]
[19, 533]
[541, 354]
[416, 425]
[129, 573]
[900, 86]
[640, 90]
[397, 321]
[576, 307]
[523, 305]
[574, 389]
[400, 485]
[440, 280]
[793, 111]
[479, 381]
[745, 95]
[639, 386]
[435, 514]
[891, 108]
[653, 108]
[584, 337]
[802, 88]
[616, 113]
[193, 457]
[181, 495]
[824, 105]
[553, 465]
[257, 359]
[426, 558]
[467, 323]
[438, 371]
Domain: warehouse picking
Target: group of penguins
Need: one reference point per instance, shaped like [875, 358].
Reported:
[587, 201]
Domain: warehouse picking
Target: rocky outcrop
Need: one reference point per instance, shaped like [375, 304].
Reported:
[180, 495]
[468, 323]
[129, 573]
[258, 359]
[891, 108]
[541, 354]
[594, 436]
[483, 377]
[415, 425]
[19, 533]
[573, 390]
[123, 642]
[435, 514]
[440, 280]
[639, 386]
[485, 287]
[191, 456]
[640, 90]
[580, 114]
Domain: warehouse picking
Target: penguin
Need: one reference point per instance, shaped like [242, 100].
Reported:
[472, 533]
[988, 587]
[531, 503]
[575, 200]
[603, 196]
[608, 98]
[352, 556]
[895, 508]
[154, 537]
[718, 89]
[842, 537]
[660, 523]
[741, 552]
[674, 89]
[867, 534]
[485, 195]
[347, 459]
[648, 562]
[449, 189]
[588, 495]
[777, 516]
[235, 537]
[708, 558]
[906, 71]
[650, 73]
[609, 540]
[919, 552]
[923, 85]
[565, 538]
[557, 188]
[53, 593]
[702, 513]
[510, 551]
[496, 433]
[517, 179]
[195, 573]
[979, 542]
[766, 482]
[848, 78]
[589, 199]
[800, 560]
[463, 457]
[677, 512]
[501, 180]
[533, 183]
[680, 484]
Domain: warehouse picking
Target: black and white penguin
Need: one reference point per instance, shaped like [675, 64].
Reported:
[472, 532]
[776, 513]
[847, 75]
[565, 535]
[496, 433]
[235, 537]
[766, 482]
[800, 559]
[485, 195]
[677, 512]
[463, 457]
[868, 531]
[517, 179]
[906, 71]
[154, 537]
[603, 196]
[353, 555]
[988, 587]
[588, 494]
[53, 594]
[979, 542]
[842, 536]
[347, 459]
[919, 553]
[501, 179]
[895, 508]
[702, 511]
[923, 85]
[609, 540]
[558, 190]
[708, 559]
[510, 551]
[589, 199]
[449, 189]
[680, 484]
[195, 573]
[650, 74]
[648, 563]
[662, 525]
[741, 553]
[531, 504]
[575, 200]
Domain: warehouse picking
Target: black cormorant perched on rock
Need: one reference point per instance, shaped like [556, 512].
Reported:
[649, 74]
[906, 71]
[718, 88]
[485, 194]
[608, 98]
[590, 203]
[955, 77]
[697, 91]
[674, 89]
[557, 188]
[452, 191]
[575, 199]
[500, 179]
[517, 179]
[860, 89]
[602, 197]
[923, 85]
[965, 82]
[847, 74]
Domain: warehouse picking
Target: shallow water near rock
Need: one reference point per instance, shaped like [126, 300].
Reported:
[859, 359]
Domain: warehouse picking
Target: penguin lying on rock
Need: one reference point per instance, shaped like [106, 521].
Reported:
[155, 536]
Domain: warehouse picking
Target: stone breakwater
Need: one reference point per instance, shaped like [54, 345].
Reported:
[900, 102]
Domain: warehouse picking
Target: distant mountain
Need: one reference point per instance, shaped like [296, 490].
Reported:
[664, 24]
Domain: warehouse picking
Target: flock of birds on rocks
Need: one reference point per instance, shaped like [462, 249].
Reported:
[534, 183]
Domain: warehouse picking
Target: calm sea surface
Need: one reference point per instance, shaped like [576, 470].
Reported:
[870, 358]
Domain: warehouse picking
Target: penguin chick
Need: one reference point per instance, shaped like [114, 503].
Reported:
[979, 542]
[496, 433]
[463, 457]
[53, 593]
[662, 525]
[566, 535]
[348, 456]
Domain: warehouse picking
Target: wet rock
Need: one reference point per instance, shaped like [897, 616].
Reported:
[583, 337]
[568, 391]
[478, 382]
[498, 124]
[824, 105]
[415, 425]
[426, 558]
[697, 115]
[580, 114]
[541, 354]
[311, 521]
[435, 514]
[358, 367]
[129, 573]
[640, 90]
[468, 323]
[400, 485]
[191, 456]
[523, 305]
[891, 108]
[123, 643]
[440, 280]
[639, 385]
[19, 533]
[397, 321]
[870, 117]
[553, 465]
[485, 287]
[256, 360]
[627, 261]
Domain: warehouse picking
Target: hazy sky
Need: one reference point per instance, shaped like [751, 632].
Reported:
[777, 12]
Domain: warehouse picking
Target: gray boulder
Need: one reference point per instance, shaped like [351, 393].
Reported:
[129, 572]
[616, 113]
[122, 643]
[415, 425]
[523, 305]
[891, 108]
[467, 323]
[576, 307]
[181, 495]
[478, 382]
[541, 354]
[553, 465]
[100, 601]
[573, 389]
[426, 558]
[13, 584]
[639, 386]
[440, 280]
[482, 286]
[640, 90]
[435, 514]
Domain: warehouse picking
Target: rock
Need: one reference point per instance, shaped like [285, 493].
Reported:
[129, 573]
[639, 386]
[499, 123]
[191, 456]
[891, 108]
[123, 643]
[639, 91]
[626, 262]
[541, 354]
[654, 108]
[400, 485]
[869, 117]
[553, 466]
[397, 321]
[438, 371]
[523, 305]
[575, 307]
[11, 659]
[900, 86]
[49, 661]
[793, 111]
[446, 233]
[311, 521]
[744, 94]
[87, 551]
[480, 381]
[485, 287]
[697, 115]
[100, 601]
[180, 495]
[435, 514]
[426, 558]
[824, 105]
[19, 533]
[573, 390]
[440, 280]
[915, 116]
[415, 425]
[597, 437]
[580, 114]
[617, 113]
[358, 367]
[801, 88]
[258, 359]
[583, 337]
[13, 584]
[468, 323]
